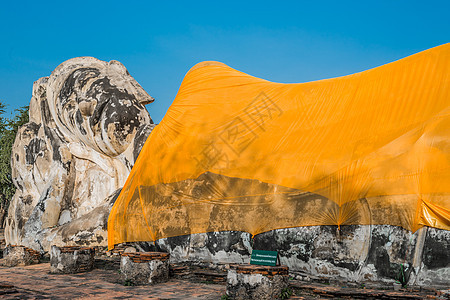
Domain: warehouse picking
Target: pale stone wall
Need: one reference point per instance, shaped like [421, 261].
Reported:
[357, 253]
[87, 125]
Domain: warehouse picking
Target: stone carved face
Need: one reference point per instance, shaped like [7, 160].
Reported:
[99, 104]
[87, 125]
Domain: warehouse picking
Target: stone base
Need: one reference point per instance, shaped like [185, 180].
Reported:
[71, 259]
[19, 256]
[144, 268]
[256, 282]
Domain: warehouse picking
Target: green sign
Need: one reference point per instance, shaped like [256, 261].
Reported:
[264, 258]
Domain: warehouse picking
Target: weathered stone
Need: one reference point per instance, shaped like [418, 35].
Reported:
[143, 268]
[256, 282]
[365, 253]
[19, 256]
[434, 267]
[87, 125]
[71, 259]
[129, 250]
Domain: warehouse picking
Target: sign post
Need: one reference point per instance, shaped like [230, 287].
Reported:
[264, 258]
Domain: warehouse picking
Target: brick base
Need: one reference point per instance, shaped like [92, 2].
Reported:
[71, 259]
[143, 268]
[14, 255]
[256, 282]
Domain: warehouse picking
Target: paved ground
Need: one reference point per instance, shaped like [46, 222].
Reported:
[104, 282]
[35, 282]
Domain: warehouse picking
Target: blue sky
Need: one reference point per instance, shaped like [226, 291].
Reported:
[159, 41]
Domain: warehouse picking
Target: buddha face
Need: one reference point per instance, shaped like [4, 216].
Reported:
[102, 106]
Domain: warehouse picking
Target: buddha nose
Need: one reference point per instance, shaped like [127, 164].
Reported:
[87, 107]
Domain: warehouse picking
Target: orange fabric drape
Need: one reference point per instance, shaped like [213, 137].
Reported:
[235, 152]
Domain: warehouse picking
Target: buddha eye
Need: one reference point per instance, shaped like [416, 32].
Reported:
[69, 106]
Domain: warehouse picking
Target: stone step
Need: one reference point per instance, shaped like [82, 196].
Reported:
[141, 257]
[355, 293]
[207, 275]
[7, 289]
[179, 271]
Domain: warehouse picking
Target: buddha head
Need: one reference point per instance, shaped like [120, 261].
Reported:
[97, 103]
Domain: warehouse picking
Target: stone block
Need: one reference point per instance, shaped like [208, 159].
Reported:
[71, 259]
[256, 282]
[144, 268]
[19, 256]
